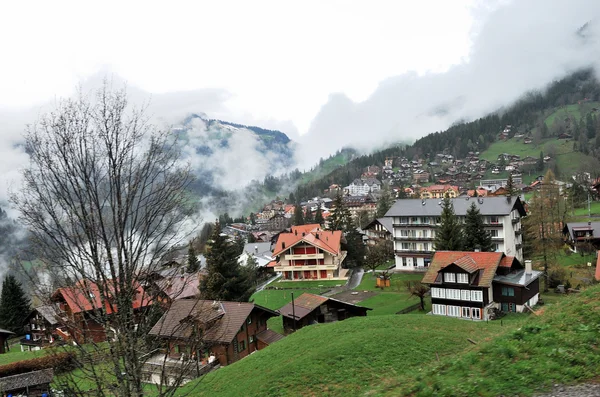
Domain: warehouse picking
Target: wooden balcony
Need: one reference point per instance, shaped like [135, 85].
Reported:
[297, 257]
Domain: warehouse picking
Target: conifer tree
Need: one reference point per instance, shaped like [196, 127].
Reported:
[14, 305]
[475, 235]
[354, 247]
[511, 190]
[449, 236]
[385, 201]
[340, 219]
[319, 216]
[298, 215]
[193, 265]
[226, 280]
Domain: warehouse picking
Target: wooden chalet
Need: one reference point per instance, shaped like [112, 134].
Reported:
[40, 327]
[34, 383]
[4, 335]
[473, 285]
[193, 329]
[310, 309]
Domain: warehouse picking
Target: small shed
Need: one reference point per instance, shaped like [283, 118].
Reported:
[34, 383]
[4, 335]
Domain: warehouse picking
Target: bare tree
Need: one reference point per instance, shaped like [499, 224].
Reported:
[104, 197]
[418, 289]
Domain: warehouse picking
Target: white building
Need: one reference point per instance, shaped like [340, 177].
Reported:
[415, 222]
[362, 187]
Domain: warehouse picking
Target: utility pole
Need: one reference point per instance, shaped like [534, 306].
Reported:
[589, 206]
[294, 312]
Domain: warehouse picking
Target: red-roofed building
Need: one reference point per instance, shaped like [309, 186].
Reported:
[309, 253]
[439, 191]
[474, 285]
[76, 303]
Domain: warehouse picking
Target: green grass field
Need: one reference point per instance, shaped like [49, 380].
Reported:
[574, 112]
[346, 358]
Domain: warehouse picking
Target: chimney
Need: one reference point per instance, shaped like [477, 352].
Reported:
[256, 249]
[476, 250]
[528, 266]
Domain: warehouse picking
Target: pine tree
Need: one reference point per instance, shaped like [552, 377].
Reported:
[319, 216]
[511, 190]
[449, 236]
[340, 219]
[298, 215]
[308, 218]
[193, 265]
[14, 305]
[475, 235]
[385, 201]
[226, 280]
[354, 247]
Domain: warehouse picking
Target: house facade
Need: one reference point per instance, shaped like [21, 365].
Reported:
[415, 223]
[193, 330]
[361, 187]
[379, 229]
[582, 235]
[473, 285]
[309, 253]
[439, 191]
[40, 328]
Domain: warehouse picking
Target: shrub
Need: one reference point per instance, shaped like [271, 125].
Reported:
[60, 362]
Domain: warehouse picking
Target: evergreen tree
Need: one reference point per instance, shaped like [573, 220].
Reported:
[385, 201]
[193, 265]
[308, 218]
[449, 236]
[14, 305]
[298, 215]
[226, 280]
[319, 216]
[354, 247]
[340, 219]
[475, 235]
[511, 190]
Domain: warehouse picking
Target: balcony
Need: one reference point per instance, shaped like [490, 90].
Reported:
[515, 220]
[413, 252]
[497, 238]
[428, 225]
[302, 268]
[414, 238]
[297, 257]
[493, 224]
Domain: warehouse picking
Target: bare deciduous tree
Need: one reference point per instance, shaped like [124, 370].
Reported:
[104, 197]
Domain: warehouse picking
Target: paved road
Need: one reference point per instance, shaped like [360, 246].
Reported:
[352, 283]
[269, 281]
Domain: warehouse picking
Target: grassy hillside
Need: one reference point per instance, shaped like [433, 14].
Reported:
[423, 355]
[347, 358]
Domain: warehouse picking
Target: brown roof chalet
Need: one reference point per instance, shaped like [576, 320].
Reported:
[486, 263]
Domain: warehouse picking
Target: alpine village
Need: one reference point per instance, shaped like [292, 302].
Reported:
[464, 263]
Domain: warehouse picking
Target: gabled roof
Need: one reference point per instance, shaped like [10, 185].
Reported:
[594, 227]
[180, 286]
[85, 296]
[269, 337]
[222, 320]
[50, 313]
[25, 380]
[431, 207]
[307, 303]
[484, 262]
[329, 241]
[386, 222]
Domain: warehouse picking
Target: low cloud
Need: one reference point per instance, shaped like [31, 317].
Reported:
[519, 46]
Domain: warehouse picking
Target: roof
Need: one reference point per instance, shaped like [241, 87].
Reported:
[222, 319]
[519, 278]
[431, 207]
[571, 226]
[484, 262]
[385, 222]
[180, 286]
[329, 241]
[307, 303]
[269, 337]
[258, 248]
[50, 313]
[5, 331]
[85, 296]
[28, 379]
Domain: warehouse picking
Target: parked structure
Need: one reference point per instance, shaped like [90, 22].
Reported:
[310, 309]
[415, 222]
[474, 284]
[309, 253]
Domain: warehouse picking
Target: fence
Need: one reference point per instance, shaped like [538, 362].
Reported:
[409, 309]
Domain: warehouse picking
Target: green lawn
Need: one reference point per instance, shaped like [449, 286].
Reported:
[388, 303]
[15, 354]
[583, 211]
[575, 112]
[347, 358]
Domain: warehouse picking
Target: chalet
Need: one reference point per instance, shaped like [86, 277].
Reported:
[310, 309]
[416, 221]
[309, 253]
[379, 229]
[40, 327]
[439, 191]
[473, 285]
[34, 383]
[420, 176]
[80, 305]
[527, 140]
[193, 329]
[582, 235]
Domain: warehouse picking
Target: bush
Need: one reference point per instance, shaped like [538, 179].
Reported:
[60, 362]
[556, 277]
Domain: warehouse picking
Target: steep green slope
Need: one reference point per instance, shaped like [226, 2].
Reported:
[347, 358]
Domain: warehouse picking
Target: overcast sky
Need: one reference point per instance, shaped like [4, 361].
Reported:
[327, 73]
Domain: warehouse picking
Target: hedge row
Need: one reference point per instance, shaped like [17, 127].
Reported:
[60, 362]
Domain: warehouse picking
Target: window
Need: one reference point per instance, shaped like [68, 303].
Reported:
[425, 220]
[449, 277]
[452, 294]
[493, 233]
[453, 311]
[476, 312]
[438, 293]
[508, 291]
[414, 262]
[251, 339]
[495, 247]
[403, 261]
[249, 320]
[462, 278]
[403, 219]
[403, 233]
[439, 309]
[466, 312]
[414, 220]
[477, 296]
[494, 219]
[242, 346]
[465, 295]
[425, 246]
